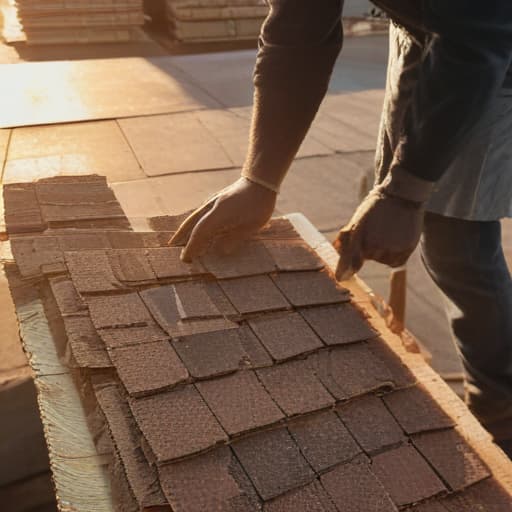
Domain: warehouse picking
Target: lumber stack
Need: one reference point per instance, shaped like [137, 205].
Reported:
[215, 20]
[80, 21]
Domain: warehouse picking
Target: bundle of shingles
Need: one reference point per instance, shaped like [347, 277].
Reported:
[215, 20]
[243, 383]
[80, 21]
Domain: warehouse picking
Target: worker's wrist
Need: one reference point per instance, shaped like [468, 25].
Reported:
[260, 181]
[404, 185]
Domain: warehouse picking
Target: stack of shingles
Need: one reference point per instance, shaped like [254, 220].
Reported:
[243, 383]
[215, 20]
[80, 21]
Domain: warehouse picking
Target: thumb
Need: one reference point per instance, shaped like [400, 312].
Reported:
[348, 246]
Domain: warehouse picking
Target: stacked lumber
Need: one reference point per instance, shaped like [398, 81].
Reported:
[80, 21]
[215, 20]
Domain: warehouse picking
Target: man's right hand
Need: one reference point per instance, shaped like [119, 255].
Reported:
[225, 220]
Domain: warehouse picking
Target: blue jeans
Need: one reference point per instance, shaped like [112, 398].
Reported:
[465, 259]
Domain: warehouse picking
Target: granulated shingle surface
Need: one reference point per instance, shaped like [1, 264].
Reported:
[338, 324]
[193, 301]
[125, 336]
[177, 423]
[486, 496]
[149, 367]
[66, 296]
[285, 335]
[22, 211]
[273, 462]
[254, 294]
[138, 239]
[354, 488]
[79, 212]
[83, 241]
[295, 387]
[118, 311]
[371, 423]
[416, 410]
[257, 355]
[310, 498]
[432, 506]
[73, 193]
[452, 458]
[32, 254]
[218, 297]
[293, 255]
[131, 265]
[324, 440]
[406, 475]
[277, 229]
[166, 263]
[310, 288]
[240, 402]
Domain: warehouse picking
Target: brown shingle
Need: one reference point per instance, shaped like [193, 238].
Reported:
[83, 241]
[220, 300]
[206, 483]
[22, 212]
[406, 475]
[273, 462]
[310, 288]
[34, 254]
[486, 496]
[67, 299]
[256, 353]
[193, 301]
[354, 488]
[277, 229]
[295, 387]
[371, 423]
[452, 457]
[138, 239]
[72, 193]
[125, 336]
[56, 214]
[251, 259]
[254, 294]
[91, 271]
[292, 255]
[149, 367]
[131, 265]
[240, 402]
[166, 263]
[416, 410]
[285, 335]
[351, 370]
[118, 311]
[177, 423]
[431, 506]
[323, 440]
[338, 324]
[310, 498]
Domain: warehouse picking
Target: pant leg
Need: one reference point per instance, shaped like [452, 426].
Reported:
[466, 260]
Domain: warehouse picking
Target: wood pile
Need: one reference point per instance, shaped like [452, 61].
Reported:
[80, 21]
[215, 20]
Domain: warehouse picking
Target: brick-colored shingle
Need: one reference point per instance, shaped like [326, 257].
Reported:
[291, 255]
[166, 263]
[310, 498]
[193, 301]
[22, 211]
[131, 265]
[67, 299]
[125, 336]
[118, 311]
[34, 255]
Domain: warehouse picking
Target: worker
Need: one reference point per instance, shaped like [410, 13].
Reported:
[444, 164]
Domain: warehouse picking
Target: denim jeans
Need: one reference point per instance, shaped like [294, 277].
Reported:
[466, 261]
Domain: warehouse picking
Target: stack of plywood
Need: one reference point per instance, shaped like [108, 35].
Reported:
[80, 21]
[215, 20]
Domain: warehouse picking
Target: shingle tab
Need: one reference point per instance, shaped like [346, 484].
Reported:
[293, 255]
[193, 301]
[75, 192]
[324, 440]
[285, 335]
[295, 387]
[22, 212]
[34, 254]
[55, 214]
[166, 263]
[485, 496]
[177, 423]
[126, 336]
[310, 498]
[74, 241]
[406, 475]
[258, 357]
[273, 462]
[371, 423]
[240, 402]
[148, 368]
[338, 324]
[131, 265]
[354, 488]
[452, 457]
[67, 299]
[310, 288]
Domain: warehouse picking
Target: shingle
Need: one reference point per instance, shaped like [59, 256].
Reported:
[67, 299]
[451, 456]
[138, 239]
[354, 488]
[338, 324]
[126, 336]
[295, 387]
[22, 212]
[205, 483]
[371, 423]
[32, 253]
[147, 368]
[324, 440]
[431, 506]
[256, 353]
[83, 241]
[166, 263]
[131, 265]
[310, 288]
[277, 229]
[71, 193]
[254, 294]
[416, 410]
[293, 255]
[142, 478]
[193, 301]
[177, 423]
[310, 498]
[351, 370]
[162, 304]
[486, 496]
[251, 259]
[218, 297]
[118, 311]
[55, 214]
[240, 402]
[285, 335]
[91, 271]
[406, 475]
[273, 462]
[168, 222]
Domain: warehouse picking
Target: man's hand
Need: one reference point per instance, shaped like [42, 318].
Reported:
[384, 228]
[226, 220]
